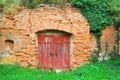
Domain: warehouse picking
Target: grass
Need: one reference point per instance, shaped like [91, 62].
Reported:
[109, 70]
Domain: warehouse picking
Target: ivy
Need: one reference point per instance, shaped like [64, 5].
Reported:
[115, 12]
[97, 13]
[30, 3]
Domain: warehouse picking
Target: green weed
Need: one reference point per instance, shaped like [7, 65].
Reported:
[107, 70]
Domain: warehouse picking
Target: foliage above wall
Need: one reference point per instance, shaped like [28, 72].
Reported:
[9, 6]
[100, 14]
[30, 3]
[96, 11]
[33, 3]
[115, 12]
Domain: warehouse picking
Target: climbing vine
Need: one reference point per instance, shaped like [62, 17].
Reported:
[97, 13]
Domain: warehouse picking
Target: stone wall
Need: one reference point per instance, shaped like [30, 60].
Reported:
[93, 44]
[27, 23]
[109, 37]
[22, 29]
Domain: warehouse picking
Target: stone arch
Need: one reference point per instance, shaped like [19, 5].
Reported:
[51, 31]
[61, 27]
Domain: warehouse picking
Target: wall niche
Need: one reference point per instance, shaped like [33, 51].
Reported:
[10, 44]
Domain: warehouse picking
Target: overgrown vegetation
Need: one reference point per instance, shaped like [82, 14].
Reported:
[34, 3]
[115, 12]
[114, 54]
[30, 3]
[9, 6]
[108, 70]
[94, 57]
[100, 14]
[106, 55]
[97, 14]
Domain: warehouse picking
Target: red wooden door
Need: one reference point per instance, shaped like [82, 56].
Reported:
[54, 52]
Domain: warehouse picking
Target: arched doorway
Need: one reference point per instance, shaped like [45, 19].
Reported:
[54, 50]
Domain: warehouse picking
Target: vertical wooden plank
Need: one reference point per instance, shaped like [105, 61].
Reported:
[54, 51]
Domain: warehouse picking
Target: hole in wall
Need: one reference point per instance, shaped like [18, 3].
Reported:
[10, 44]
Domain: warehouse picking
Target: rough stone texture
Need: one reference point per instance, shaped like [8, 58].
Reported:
[24, 26]
[109, 36]
[93, 44]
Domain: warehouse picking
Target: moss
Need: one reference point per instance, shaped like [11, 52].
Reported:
[8, 60]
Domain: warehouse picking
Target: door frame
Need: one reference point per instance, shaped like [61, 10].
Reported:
[57, 32]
